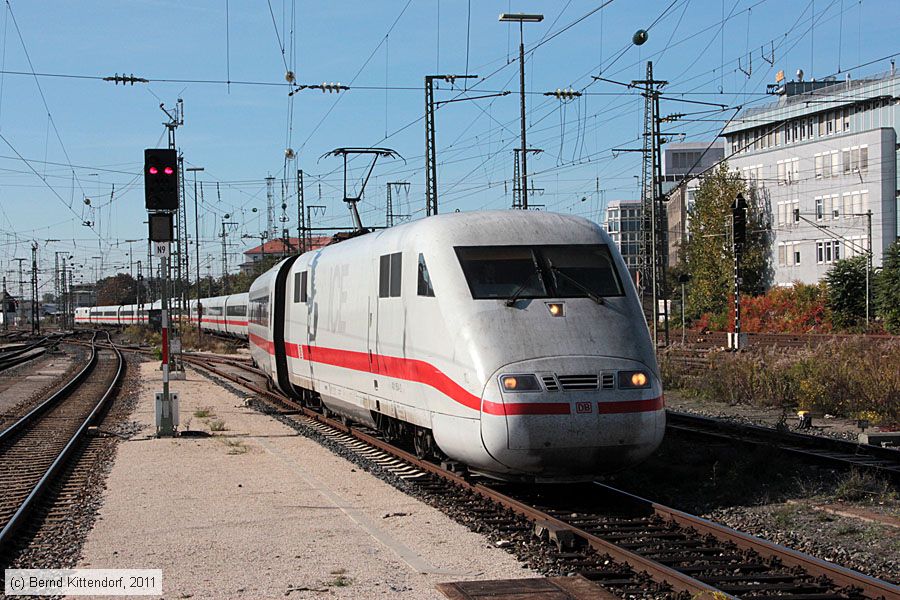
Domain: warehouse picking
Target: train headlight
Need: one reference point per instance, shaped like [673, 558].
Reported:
[519, 383]
[557, 309]
[633, 380]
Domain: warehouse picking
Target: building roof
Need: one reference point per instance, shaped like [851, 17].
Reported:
[827, 96]
[628, 203]
[278, 247]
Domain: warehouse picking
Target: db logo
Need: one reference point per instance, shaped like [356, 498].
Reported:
[583, 407]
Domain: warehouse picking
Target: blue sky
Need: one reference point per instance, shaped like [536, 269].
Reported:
[82, 137]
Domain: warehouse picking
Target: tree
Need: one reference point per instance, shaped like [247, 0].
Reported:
[887, 289]
[118, 289]
[707, 253]
[846, 283]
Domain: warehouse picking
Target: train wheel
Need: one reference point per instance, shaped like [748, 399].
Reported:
[423, 442]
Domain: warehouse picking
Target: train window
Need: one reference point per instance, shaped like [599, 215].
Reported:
[300, 294]
[574, 271]
[236, 310]
[578, 268]
[384, 274]
[389, 275]
[396, 270]
[424, 283]
[501, 271]
[259, 310]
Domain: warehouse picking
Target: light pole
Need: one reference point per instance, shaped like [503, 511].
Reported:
[197, 245]
[868, 216]
[521, 18]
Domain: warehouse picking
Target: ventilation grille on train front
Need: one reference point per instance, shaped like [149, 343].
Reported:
[608, 381]
[573, 383]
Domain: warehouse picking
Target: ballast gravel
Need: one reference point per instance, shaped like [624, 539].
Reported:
[246, 507]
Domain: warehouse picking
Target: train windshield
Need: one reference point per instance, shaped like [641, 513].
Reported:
[552, 271]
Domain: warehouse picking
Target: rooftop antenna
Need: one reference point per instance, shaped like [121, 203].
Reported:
[352, 200]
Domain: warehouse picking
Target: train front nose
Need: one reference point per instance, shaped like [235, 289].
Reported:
[572, 417]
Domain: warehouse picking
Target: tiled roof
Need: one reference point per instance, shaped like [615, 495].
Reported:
[278, 247]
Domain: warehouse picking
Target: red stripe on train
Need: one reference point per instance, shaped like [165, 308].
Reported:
[419, 371]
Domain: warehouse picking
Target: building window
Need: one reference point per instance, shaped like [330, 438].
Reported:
[846, 155]
[796, 256]
[820, 208]
[782, 173]
[794, 170]
[857, 203]
[828, 251]
[781, 255]
[819, 165]
[863, 158]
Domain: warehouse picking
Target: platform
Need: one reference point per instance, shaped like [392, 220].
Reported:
[256, 510]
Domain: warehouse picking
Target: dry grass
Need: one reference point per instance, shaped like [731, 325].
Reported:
[235, 446]
[852, 378]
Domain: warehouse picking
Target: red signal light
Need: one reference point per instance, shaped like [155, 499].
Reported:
[153, 170]
[168, 171]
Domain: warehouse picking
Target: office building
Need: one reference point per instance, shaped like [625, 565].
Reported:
[820, 158]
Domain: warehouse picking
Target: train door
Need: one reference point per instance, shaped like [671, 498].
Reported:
[389, 317]
[278, 324]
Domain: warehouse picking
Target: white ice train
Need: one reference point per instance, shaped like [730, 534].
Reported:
[511, 342]
[225, 315]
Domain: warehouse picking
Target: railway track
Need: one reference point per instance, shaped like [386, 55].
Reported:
[845, 454]
[11, 357]
[36, 449]
[631, 546]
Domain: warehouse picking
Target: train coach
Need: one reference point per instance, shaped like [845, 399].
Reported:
[225, 315]
[119, 315]
[511, 342]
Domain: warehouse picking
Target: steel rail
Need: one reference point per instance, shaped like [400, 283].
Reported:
[885, 461]
[840, 576]
[47, 479]
[54, 398]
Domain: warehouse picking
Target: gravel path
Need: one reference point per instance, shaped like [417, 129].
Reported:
[255, 510]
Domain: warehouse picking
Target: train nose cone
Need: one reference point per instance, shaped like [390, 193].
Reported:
[578, 423]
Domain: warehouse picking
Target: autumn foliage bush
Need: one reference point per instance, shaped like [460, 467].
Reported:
[800, 308]
[851, 377]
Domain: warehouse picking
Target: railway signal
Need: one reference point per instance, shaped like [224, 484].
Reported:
[161, 179]
[738, 240]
